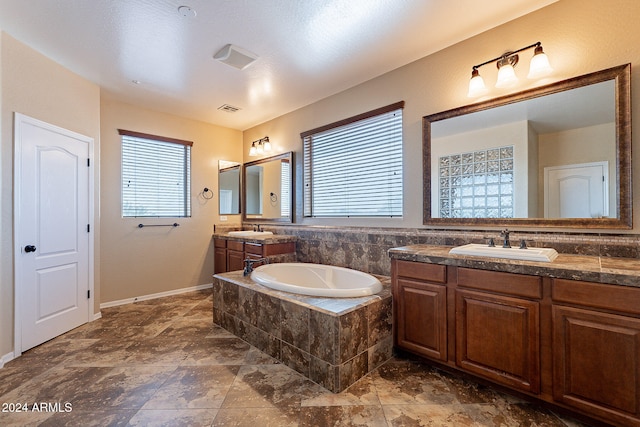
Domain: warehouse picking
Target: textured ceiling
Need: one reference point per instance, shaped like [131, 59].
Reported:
[308, 49]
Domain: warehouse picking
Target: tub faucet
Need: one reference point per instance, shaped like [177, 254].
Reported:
[248, 264]
[505, 233]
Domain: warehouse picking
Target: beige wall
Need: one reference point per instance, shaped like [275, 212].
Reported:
[579, 36]
[136, 262]
[38, 87]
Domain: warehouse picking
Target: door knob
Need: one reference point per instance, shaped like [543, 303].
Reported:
[29, 248]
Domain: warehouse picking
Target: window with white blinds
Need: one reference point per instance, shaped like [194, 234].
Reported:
[285, 190]
[353, 168]
[156, 176]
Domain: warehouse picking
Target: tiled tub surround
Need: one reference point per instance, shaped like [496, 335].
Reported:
[365, 249]
[332, 341]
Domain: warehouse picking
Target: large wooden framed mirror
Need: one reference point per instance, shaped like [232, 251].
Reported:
[267, 186]
[557, 155]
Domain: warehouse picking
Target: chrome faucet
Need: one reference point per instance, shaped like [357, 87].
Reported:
[248, 264]
[256, 227]
[505, 233]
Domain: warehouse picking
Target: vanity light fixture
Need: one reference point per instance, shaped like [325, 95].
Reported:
[538, 68]
[260, 146]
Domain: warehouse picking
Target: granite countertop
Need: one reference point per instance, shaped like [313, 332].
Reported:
[616, 271]
[266, 239]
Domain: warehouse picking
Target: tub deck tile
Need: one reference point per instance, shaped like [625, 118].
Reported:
[332, 341]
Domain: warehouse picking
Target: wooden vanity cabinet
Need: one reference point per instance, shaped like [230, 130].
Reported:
[572, 343]
[219, 256]
[498, 327]
[235, 255]
[420, 303]
[229, 255]
[596, 349]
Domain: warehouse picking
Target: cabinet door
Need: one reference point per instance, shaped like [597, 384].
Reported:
[498, 337]
[235, 260]
[421, 318]
[220, 260]
[596, 361]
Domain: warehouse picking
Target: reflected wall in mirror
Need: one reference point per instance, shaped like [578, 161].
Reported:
[558, 155]
[229, 187]
[267, 186]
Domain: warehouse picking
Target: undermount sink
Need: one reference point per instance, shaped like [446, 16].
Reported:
[249, 233]
[529, 254]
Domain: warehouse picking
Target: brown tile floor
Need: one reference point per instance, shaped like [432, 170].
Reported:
[163, 362]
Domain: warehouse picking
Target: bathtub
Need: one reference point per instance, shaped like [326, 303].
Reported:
[316, 280]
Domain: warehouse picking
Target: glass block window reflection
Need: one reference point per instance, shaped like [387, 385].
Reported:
[478, 184]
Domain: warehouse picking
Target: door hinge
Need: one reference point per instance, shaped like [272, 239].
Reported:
[88, 228]
[88, 162]
[88, 294]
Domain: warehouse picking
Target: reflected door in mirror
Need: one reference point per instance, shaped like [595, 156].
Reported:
[577, 191]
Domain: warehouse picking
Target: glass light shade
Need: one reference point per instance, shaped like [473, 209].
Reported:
[506, 76]
[253, 150]
[476, 85]
[260, 148]
[539, 66]
[267, 145]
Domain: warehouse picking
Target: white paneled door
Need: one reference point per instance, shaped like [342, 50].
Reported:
[52, 235]
[577, 191]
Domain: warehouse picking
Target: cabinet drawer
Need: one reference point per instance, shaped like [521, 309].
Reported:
[422, 271]
[235, 246]
[253, 248]
[623, 299]
[505, 283]
[219, 243]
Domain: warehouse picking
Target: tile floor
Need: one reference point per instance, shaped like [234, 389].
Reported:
[163, 362]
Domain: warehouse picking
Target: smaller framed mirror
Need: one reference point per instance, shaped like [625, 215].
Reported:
[267, 189]
[229, 187]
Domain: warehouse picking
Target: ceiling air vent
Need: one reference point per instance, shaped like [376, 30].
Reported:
[235, 56]
[228, 108]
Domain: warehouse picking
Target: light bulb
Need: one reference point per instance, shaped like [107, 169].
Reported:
[476, 85]
[506, 76]
[539, 66]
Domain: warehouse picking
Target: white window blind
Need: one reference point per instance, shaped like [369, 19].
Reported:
[156, 176]
[355, 167]
[285, 190]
